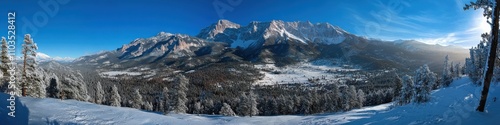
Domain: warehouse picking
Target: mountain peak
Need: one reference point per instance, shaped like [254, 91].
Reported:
[216, 28]
[164, 34]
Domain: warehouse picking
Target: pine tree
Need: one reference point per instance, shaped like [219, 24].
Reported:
[148, 106]
[115, 99]
[5, 58]
[458, 71]
[31, 80]
[226, 110]
[398, 88]
[54, 89]
[352, 96]
[345, 104]
[197, 108]
[99, 94]
[361, 98]
[181, 88]
[243, 108]
[446, 78]
[137, 99]
[336, 97]
[253, 104]
[166, 100]
[407, 91]
[305, 105]
[490, 11]
[26, 66]
[208, 105]
[424, 81]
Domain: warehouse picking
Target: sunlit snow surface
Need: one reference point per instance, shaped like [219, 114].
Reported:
[452, 105]
[302, 72]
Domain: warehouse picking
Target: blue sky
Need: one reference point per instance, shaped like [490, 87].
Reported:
[81, 27]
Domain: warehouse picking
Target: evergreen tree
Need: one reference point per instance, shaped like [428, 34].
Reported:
[197, 107]
[115, 99]
[345, 104]
[489, 11]
[397, 90]
[458, 71]
[361, 98]
[137, 99]
[226, 110]
[33, 85]
[99, 94]
[446, 78]
[166, 100]
[54, 88]
[181, 88]
[5, 58]
[27, 60]
[352, 96]
[407, 91]
[252, 99]
[148, 106]
[424, 81]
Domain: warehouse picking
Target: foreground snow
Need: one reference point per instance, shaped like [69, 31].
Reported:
[452, 105]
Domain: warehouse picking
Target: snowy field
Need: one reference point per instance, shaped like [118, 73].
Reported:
[303, 72]
[453, 105]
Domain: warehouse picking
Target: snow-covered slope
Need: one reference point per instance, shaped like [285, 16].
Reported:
[452, 105]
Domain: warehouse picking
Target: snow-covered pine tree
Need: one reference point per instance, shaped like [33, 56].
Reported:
[99, 94]
[353, 97]
[137, 99]
[361, 97]
[226, 110]
[335, 95]
[4, 56]
[476, 63]
[26, 83]
[491, 10]
[398, 89]
[344, 100]
[148, 106]
[243, 108]
[166, 100]
[180, 93]
[458, 70]
[30, 80]
[115, 99]
[407, 91]
[252, 99]
[289, 104]
[247, 105]
[446, 78]
[424, 81]
[305, 105]
[208, 105]
[197, 107]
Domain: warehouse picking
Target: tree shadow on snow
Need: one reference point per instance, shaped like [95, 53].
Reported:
[19, 113]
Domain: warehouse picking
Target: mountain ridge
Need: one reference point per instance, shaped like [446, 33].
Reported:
[276, 42]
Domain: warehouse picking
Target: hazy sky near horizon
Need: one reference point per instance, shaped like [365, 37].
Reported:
[72, 28]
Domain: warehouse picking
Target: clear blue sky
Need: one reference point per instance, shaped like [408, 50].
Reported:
[81, 27]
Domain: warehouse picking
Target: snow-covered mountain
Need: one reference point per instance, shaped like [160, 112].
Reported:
[256, 33]
[42, 57]
[275, 42]
[452, 105]
[158, 50]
